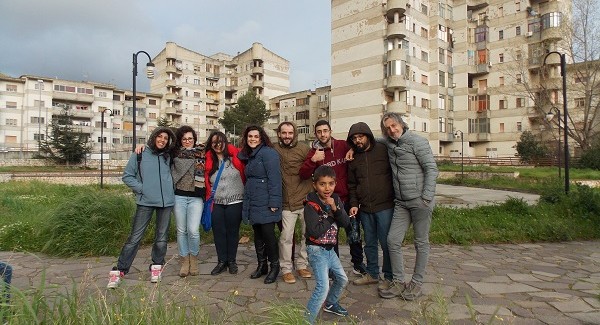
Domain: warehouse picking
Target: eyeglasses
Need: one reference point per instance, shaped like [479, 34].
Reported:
[217, 143]
[187, 139]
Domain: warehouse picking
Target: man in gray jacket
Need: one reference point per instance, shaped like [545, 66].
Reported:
[414, 174]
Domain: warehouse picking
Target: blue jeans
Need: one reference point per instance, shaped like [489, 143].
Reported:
[188, 210]
[322, 261]
[141, 219]
[376, 227]
[6, 276]
[417, 213]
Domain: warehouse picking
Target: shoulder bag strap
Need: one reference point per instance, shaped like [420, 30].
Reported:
[214, 188]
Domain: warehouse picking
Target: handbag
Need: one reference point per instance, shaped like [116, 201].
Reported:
[206, 219]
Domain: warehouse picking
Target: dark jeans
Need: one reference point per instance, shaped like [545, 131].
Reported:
[6, 275]
[356, 249]
[376, 227]
[141, 219]
[226, 220]
[265, 234]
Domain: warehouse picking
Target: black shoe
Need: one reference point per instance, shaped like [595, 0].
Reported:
[261, 270]
[273, 273]
[221, 266]
[233, 268]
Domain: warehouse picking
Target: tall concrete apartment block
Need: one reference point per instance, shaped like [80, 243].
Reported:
[28, 105]
[197, 88]
[448, 66]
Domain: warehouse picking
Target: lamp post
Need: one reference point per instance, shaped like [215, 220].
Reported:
[102, 144]
[40, 86]
[563, 73]
[462, 153]
[150, 75]
[549, 117]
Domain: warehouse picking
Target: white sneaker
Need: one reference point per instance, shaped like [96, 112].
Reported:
[114, 277]
[155, 273]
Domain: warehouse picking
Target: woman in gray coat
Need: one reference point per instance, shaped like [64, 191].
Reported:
[262, 198]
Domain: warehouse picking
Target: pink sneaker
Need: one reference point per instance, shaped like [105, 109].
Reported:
[155, 273]
[114, 277]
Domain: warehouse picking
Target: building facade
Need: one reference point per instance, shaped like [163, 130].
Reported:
[198, 88]
[453, 68]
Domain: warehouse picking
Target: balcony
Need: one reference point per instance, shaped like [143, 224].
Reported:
[170, 96]
[478, 69]
[258, 70]
[551, 33]
[81, 113]
[395, 6]
[172, 69]
[73, 97]
[398, 107]
[476, 4]
[258, 84]
[396, 30]
[395, 82]
[484, 137]
[397, 55]
[173, 111]
[172, 83]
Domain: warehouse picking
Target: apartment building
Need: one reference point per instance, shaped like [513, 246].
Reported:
[28, 104]
[303, 108]
[198, 88]
[453, 68]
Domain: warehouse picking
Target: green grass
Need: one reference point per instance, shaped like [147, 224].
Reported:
[532, 173]
[45, 169]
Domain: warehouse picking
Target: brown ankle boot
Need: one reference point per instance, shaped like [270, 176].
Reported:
[185, 266]
[194, 265]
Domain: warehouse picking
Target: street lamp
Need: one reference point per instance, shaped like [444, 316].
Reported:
[549, 117]
[462, 153]
[40, 86]
[563, 73]
[150, 75]
[102, 144]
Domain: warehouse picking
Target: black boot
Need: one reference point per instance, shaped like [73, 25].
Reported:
[233, 268]
[221, 266]
[262, 268]
[273, 273]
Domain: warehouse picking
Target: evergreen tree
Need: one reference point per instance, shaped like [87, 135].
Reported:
[65, 145]
[250, 109]
[530, 149]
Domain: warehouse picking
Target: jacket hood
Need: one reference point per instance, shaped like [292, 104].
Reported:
[152, 140]
[294, 140]
[360, 127]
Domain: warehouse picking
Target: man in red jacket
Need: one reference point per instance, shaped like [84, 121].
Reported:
[331, 152]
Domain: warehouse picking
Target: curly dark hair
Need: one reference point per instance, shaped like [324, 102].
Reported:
[220, 137]
[264, 138]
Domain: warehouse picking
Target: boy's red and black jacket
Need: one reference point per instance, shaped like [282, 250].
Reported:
[319, 220]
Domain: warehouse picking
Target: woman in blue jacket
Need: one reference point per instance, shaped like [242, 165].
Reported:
[262, 198]
[148, 175]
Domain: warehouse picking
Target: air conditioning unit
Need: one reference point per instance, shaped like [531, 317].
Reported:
[490, 65]
[323, 114]
[529, 34]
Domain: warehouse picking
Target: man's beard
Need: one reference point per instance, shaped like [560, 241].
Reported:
[283, 143]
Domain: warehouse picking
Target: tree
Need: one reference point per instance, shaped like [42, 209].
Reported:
[250, 109]
[66, 144]
[530, 149]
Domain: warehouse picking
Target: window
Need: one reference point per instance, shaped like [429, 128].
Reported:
[425, 56]
[393, 68]
[102, 94]
[196, 94]
[517, 5]
[500, 11]
[424, 103]
[301, 101]
[11, 88]
[117, 97]
[518, 55]
[502, 104]
[442, 78]
[116, 112]
[127, 140]
[37, 86]
[424, 79]
[11, 121]
[501, 57]
[116, 126]
[520, 102]
[101, 139]
[518, 30]
[518, 78]
[501, 127]
[479, 125]
[481, 34]
[579, 102]
[482, 56]
[424, 9]
[551, 19]
[442, 33]
[442, 125]
[151, 101]
[38, 137]
[116, 141]
[519, 126]
[423, 32]
[11, 104]
[501, 34]
[196, 81]
[441, 101]
[482, 85]
[36, 120]
[424, 126]
[152, 115]
[442, 56]
[501, 81]
[302, 115]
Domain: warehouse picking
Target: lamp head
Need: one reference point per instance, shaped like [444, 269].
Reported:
[150, 70]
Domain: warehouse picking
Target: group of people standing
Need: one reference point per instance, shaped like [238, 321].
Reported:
[384, 184]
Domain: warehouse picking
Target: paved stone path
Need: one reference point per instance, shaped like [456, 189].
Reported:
[556, 283]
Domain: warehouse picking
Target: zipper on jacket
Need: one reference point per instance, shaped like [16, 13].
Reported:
[160, 182]
[368, 183]
[397, 178]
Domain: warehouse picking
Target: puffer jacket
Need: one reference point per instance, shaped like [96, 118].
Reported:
[152, 182]
[414, 169]
[369, 174]
[263, 186]
[295, 188]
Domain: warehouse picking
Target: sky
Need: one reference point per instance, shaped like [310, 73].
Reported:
[94, 40]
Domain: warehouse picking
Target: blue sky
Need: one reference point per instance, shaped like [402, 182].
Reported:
[94, 40]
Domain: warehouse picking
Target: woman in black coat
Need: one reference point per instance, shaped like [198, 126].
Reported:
[262, 198]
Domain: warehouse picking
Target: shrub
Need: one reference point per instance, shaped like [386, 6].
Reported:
[530, 149]
[591, 158]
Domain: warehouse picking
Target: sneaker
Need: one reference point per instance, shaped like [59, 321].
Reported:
[395, 290]
[335, 309]
[304, 273]
[384, 284]
[365, 279]
[289, 278]
[359, 269]
[155, 273]
[412, 291]
[114, 277]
